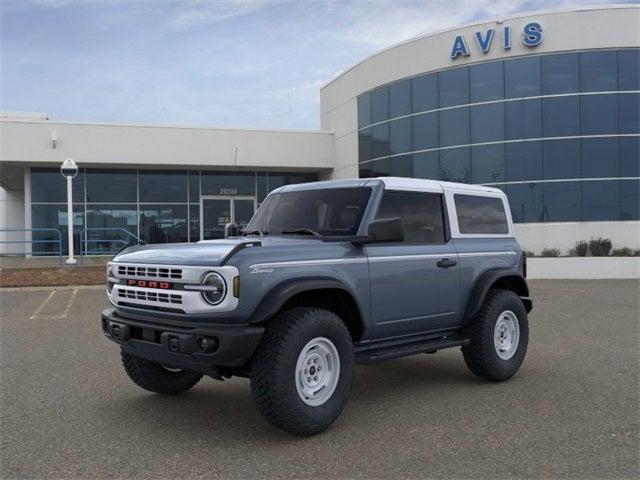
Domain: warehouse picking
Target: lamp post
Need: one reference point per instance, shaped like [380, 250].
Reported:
[69, 169]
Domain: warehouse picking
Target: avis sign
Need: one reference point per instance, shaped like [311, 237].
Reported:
[531, 37]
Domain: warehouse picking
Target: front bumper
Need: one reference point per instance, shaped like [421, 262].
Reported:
[195, 346]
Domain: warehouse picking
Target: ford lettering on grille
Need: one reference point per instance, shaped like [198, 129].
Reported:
[149, 284]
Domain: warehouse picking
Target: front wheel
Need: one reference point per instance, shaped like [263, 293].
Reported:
[302, 371]
[499, 336]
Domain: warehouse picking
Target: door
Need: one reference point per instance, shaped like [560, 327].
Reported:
[217, 211]
[415, 283]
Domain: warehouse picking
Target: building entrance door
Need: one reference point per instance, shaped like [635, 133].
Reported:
[217, 211]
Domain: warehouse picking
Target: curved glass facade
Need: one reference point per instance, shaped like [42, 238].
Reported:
[559, 133]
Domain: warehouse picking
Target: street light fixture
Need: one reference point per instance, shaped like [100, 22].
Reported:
[69, 169]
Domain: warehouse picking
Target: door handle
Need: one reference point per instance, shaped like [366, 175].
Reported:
[446, 263]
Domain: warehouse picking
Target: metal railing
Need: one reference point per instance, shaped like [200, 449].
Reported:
[31, 241]
[120, 243]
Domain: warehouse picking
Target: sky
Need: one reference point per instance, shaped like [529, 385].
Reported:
[227, 63]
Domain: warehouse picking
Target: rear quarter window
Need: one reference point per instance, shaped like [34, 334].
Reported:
[481, 215]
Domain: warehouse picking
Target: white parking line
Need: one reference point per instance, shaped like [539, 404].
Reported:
[69, 303]
[42, 305]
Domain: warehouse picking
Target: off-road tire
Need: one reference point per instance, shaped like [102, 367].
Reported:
[480, 355]
[156, 378]
[273, 366]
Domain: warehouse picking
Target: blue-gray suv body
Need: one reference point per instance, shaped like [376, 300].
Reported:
[325, 275]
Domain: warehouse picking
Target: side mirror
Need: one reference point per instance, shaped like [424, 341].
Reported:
[384, 230]
[231, 230]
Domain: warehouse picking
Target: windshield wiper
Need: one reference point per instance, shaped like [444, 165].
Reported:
[301, 231]
[254, 232]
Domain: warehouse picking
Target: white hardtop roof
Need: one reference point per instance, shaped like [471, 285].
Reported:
[422, 185]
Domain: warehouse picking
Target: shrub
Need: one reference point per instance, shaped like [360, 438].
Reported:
[600, 247]
[582, 248]
[636, 252]
[550, 252]
[622, 252]
[530, 253]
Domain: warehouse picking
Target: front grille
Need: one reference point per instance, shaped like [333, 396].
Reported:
[149, 272]
[131, 294]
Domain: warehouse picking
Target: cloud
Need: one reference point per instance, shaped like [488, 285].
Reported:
[190, 13]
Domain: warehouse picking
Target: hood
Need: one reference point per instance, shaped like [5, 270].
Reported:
[204, 253]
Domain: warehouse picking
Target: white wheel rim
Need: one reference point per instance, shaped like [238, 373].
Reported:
[506, 335]
[317, 371]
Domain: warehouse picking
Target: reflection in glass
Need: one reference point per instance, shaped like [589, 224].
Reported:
[630, 156]
[522, 77]
[562, 202]
[55, 217]
[600, 157]
[194, 186]
[228, 183]
[364, 110]
[525, 202]
[598, 71]
[629, 69]
[560, 73]
[523, 119]
[561, 116]
[424, 93]
[194, 222]
[400, 135]
[454, 165]
[629, 113]
[379, 104]
[454, 127]
[453, 87]
[599, 114]
[380, 140]
[487, 123]
[630, 200]
[523, 161]
[425, 131]
[426, 165]
[400, 99]
[365, 145]
[49, 186]
[163, 186]
[107, 186]
[163, 223]
[487, 81]
[487, 163]
[115, 218]
[561, 159]
[600, 200]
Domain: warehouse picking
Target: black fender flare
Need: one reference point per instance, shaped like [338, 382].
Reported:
[278, 295]
[513, 279]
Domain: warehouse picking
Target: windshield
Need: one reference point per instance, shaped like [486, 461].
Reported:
[324, 212]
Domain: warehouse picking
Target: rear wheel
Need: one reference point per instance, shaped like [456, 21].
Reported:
[302, 371]
[499, 336]
[158, 378]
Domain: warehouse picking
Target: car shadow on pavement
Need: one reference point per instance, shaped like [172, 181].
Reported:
[227, 407]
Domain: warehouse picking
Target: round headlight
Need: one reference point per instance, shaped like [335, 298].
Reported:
[109, 275]
[216, 289]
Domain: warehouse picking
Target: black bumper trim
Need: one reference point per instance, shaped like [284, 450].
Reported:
[176, 344]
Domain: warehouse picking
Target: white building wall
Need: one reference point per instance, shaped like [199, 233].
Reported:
[11, 217]
[29, 141]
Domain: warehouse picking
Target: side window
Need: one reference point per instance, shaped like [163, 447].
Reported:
[421, 214]
[480, 215]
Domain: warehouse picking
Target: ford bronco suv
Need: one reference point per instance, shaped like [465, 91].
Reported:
[325, 275]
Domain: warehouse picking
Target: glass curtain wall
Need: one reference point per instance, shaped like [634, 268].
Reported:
[559, 133]
[112, 206]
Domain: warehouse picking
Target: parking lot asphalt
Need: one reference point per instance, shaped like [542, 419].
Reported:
[69, 410]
